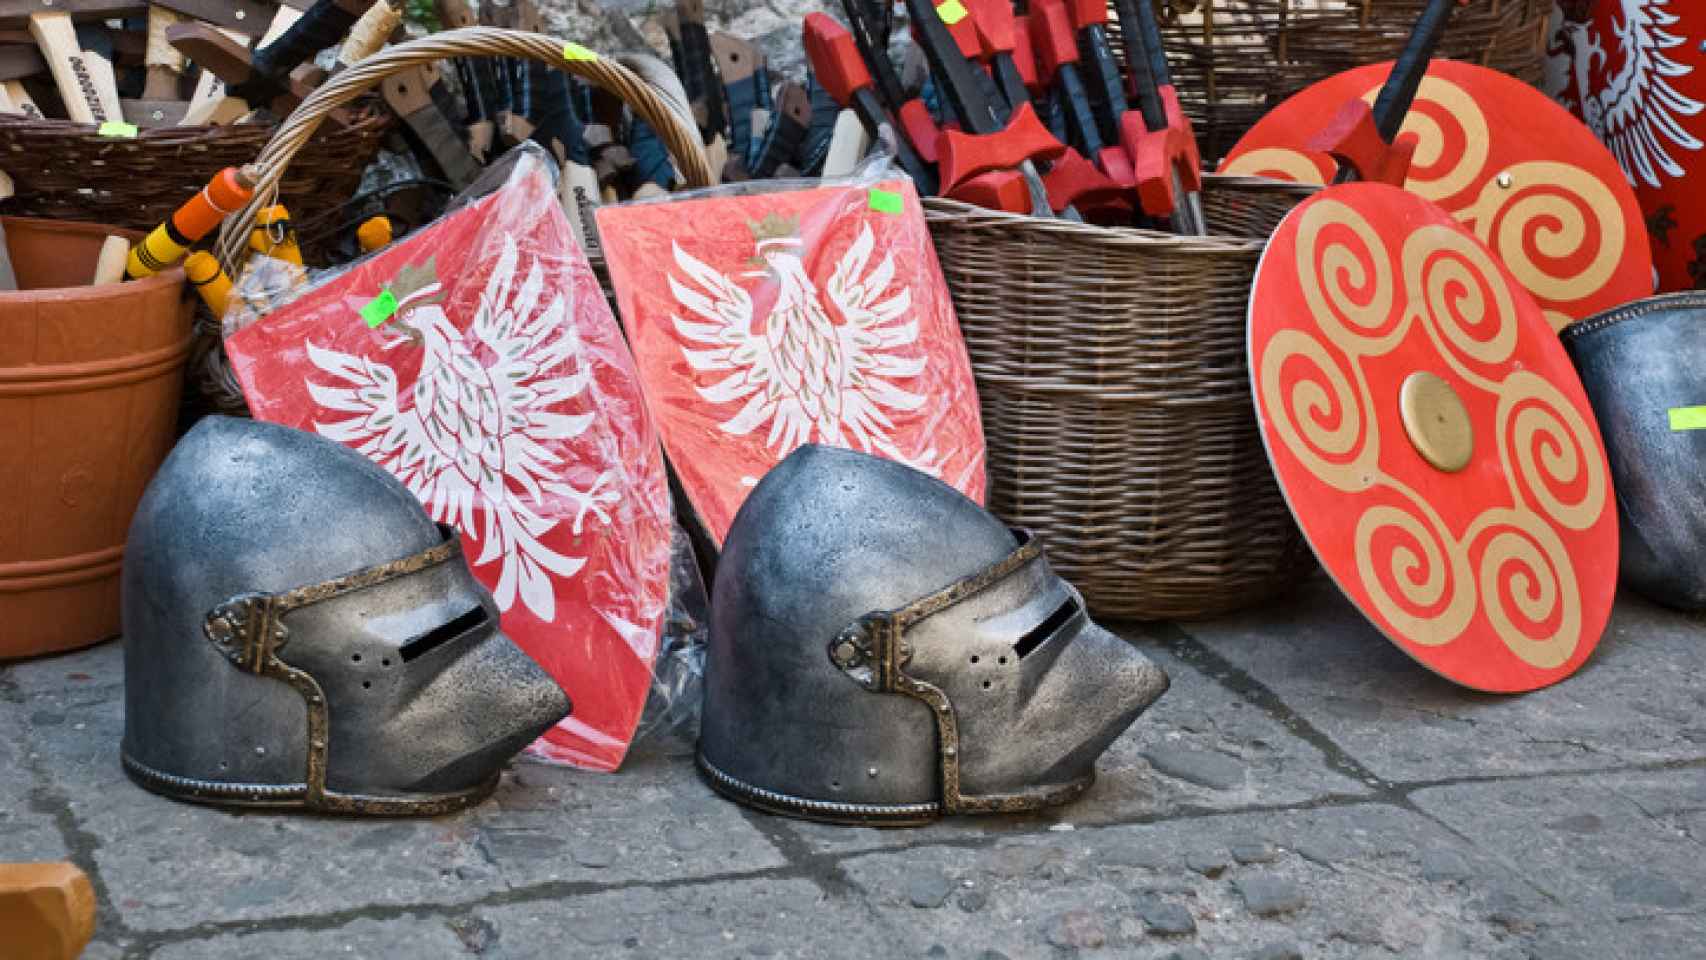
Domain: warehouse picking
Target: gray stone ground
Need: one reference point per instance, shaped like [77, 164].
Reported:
[1303, 790]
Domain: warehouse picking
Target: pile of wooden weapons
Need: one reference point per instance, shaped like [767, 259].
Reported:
[127, 65]
[1027, 110]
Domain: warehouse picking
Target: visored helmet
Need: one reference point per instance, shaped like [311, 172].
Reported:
[298, 633]
[883, 650]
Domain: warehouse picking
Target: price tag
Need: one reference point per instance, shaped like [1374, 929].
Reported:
[951, 12]
[886, 201]
[1687, 418]
[380, 309]
[574, 51]
[117, 128]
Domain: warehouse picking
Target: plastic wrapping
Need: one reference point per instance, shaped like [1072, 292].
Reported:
[811, 312]
[478, 361]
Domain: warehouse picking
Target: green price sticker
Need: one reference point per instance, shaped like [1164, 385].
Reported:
[951, 12]
[118, 128]
[885, 201]
[1688, 418]
[379, 309]
[574, 51]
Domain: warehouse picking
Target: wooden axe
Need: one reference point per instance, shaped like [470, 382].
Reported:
[85, 80]
[1365, 139]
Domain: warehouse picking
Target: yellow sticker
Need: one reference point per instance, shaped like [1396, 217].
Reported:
[951, 12]
[1687, 418]
[118, 128]
[574, 51]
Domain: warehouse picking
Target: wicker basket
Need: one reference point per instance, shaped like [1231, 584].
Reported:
[69, 171]
[282, 155]
[1116, 399]
[1233, 60]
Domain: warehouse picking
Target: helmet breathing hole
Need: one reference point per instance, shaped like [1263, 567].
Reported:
[1037, 635]
[386, 662]
[355, 658]
[987, 684]
[440, 635]
[367, 684]
[974, 658]
[835, 784]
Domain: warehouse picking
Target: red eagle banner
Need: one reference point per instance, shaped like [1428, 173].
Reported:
[763, 322]
[1635, 72]
[478, 361]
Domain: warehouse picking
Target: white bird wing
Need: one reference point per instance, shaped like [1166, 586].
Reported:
[1642, 110]
[720, 324]
[875, 326]
[380, 430]
[531, 344]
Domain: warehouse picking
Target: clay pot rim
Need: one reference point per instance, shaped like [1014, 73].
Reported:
[173, 276]
[1634, 310]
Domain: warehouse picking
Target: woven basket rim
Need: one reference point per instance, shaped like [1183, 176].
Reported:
[943, 208]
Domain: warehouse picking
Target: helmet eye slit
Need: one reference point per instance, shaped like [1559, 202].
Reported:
[1035, 636]
[444, 633]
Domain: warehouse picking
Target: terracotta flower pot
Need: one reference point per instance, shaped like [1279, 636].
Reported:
[89, 385]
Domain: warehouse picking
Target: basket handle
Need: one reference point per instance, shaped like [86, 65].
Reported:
[679, 135]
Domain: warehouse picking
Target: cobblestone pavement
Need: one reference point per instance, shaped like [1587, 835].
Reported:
[1303, 790]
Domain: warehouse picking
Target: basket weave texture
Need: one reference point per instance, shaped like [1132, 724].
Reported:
[1234, 60]
[280, 155]
[69, 171]
[1110, 365]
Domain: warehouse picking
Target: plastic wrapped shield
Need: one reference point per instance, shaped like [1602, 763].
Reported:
[478, 361]
[764, 321]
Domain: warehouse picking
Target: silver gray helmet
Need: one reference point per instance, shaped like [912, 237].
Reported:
[882, 650]
[298, 633]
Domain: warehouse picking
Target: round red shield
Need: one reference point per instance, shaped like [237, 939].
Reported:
[1432, 439]
[1526, 177]
[1635, 72]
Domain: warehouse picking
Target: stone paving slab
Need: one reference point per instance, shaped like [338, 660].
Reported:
[1638, 700]
[773, 917]
[654, 818]
[26, 833]
[1217, 751]
[422, 938]
[544, 824]
[1623, 850]
[1348, 882]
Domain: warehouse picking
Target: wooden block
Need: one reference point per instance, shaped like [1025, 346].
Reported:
[248, 17]
[46, 909]
[15, 99]
[16, 14]
[109, 266]
[369, 33]
[847, 145]
[154, 113]
[163, 60]
[84, 79]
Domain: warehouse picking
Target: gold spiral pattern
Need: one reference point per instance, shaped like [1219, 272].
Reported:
[1556, 211]
[1320, 419]
[1553, 446]
[1529, 558]
[1425, 565]
[1347, 278]
[1425, 584]
[1447, 122]
[1458, 289]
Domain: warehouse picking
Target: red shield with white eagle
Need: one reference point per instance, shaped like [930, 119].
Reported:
[764, 322]
[1635, 72]
[500, 392]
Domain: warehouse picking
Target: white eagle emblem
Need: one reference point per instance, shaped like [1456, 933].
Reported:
[477, 419]
[1635, 111]
[810, 377]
